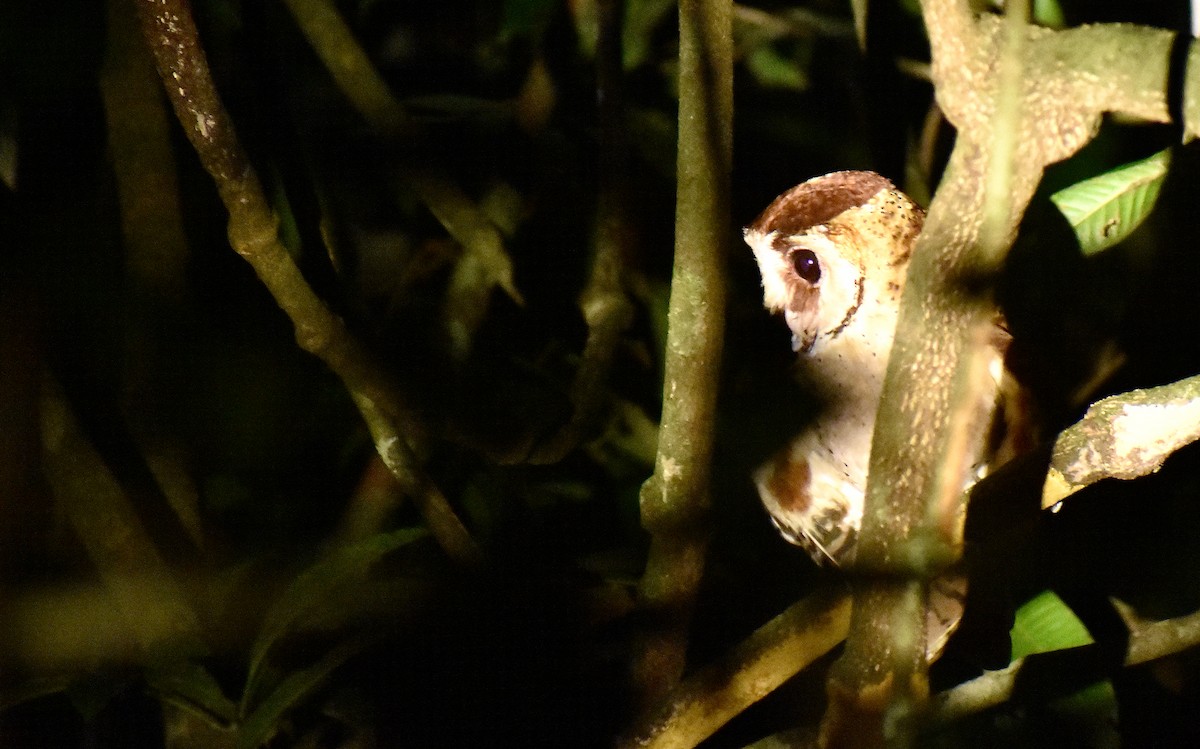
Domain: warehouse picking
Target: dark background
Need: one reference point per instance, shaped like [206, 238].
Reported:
[531, 651]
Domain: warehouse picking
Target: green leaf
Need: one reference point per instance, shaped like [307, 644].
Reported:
[1106, 209]
[191, 687]
[289, 228]
[1044, 624]
[298, 687]
[312, 590]
[773, 70]
[1046, 13]
[1049, 13]
[859, 9]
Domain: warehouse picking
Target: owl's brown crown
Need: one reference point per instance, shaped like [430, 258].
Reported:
[817, 201]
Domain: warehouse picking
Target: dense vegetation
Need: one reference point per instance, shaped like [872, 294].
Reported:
[200, 543]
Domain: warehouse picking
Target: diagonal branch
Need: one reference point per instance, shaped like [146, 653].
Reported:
[774, 653]
[1148, 640]
[174, 41]
[1124, 436]
[143, 587]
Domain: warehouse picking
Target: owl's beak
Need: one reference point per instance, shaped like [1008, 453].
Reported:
[802, 345]
[802, 339]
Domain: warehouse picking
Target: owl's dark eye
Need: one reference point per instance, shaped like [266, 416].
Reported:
[806, 265]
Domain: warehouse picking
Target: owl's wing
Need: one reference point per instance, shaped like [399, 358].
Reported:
[812, 501]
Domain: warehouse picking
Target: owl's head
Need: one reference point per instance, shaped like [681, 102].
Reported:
[826, 245]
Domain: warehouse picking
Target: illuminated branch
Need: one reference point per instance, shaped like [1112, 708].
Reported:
[675, 500]
[1123, 437]
[1147, 641]
[927, 423]
[776, 652]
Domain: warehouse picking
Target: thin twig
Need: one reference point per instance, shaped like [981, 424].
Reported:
[350, 67]
[606, 307]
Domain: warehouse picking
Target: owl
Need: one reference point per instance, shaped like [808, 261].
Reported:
[833, 253]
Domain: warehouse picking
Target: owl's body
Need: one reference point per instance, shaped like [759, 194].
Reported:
[833, 253]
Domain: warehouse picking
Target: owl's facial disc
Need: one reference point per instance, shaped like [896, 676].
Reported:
[815, 287]
[820, 245]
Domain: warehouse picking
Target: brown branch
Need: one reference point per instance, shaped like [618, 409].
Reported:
[1148, 641]
[139, 141]
[935, 402]
[675, 500]
[776, 652]
[1124, 437]
[172, 37]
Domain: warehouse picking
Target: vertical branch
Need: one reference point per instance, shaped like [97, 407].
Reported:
[938, 394]
[139, 140]
[675, 500]
[174, 41]
[605, 306]
[1006, 130]
[1021, 97]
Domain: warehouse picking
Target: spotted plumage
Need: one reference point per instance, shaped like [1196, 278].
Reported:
[833, 253]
